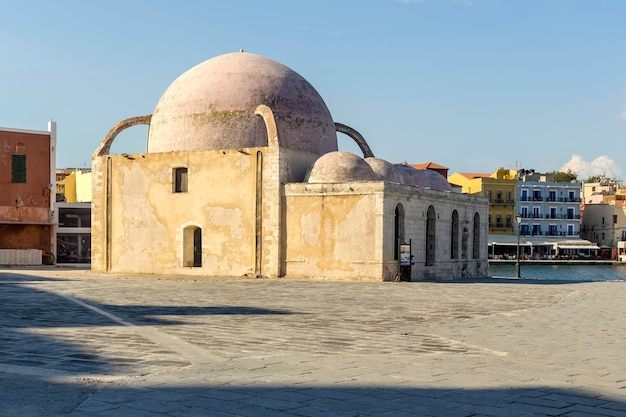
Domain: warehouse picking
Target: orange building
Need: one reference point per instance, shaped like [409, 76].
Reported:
[27, 194]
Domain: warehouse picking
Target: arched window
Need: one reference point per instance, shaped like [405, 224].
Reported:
[476, 237]
[431, 219]
[454, 236]
[192, 246]
[398, 230]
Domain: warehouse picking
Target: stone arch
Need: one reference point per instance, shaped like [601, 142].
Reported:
[357, 137]
[270, 123]
[105, 146]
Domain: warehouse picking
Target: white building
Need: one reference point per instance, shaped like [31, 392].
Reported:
[550, 215]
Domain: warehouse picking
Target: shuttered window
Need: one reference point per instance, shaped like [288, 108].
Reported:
[18, 168]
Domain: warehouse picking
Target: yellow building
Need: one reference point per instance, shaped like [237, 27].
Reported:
[499, 188]
[76, 187]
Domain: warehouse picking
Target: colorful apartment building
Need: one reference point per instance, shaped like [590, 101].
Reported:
[499, 188]
[548, 208]
[27, 194]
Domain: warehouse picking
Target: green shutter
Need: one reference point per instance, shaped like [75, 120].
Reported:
[18, 168]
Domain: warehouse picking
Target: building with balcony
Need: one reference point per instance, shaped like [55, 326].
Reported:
[548, 208]
[550, 217]
[499, 189]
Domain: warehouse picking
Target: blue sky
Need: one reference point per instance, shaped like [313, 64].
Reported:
[470, 84]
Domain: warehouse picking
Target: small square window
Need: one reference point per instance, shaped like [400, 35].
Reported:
[180, 180]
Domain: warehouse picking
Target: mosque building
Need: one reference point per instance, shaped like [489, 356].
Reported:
[242, 176]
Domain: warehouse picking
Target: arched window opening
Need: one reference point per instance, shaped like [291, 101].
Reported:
[454, 236]
[431, 219]
[476, 237]
[192, 246]
[398, 228]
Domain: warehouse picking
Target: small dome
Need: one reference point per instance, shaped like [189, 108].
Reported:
[422, 178]
[385, 170]
[212, 106]
[341, 167]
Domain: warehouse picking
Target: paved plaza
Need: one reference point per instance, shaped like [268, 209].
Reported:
[80, 344]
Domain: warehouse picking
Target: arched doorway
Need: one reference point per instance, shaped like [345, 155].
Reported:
[192, 246]
[476, 237]
[431, 220]
[398, 230]
[454, 236]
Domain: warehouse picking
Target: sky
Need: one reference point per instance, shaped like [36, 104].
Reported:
[474, 85]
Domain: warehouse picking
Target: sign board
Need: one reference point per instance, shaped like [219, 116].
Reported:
[405, 254]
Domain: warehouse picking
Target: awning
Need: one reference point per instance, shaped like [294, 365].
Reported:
[563, 243]
[592, 247]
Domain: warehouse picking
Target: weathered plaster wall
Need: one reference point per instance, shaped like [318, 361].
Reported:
[147, 218]
[338, 231]
[332, 231]
[25, 236]
[348, 231]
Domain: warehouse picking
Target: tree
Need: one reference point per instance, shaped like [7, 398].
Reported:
[560, 176]
[597, 178]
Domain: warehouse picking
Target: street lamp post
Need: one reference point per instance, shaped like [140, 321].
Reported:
[518, 219]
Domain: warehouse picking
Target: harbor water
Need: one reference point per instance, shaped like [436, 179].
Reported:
[564, 272]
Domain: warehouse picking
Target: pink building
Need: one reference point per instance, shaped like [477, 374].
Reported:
[27, 193]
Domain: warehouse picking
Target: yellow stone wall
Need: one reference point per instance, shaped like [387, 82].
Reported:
[258, 218]
[333, 231]
[144, 225]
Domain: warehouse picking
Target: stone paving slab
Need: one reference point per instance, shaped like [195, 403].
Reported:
[81, 344]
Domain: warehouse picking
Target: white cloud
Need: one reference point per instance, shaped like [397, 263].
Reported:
[602, 165]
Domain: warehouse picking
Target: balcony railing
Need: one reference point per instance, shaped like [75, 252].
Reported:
[548, 233]
[551, 216]
[551, 199]
[503, 202]
[501, 226]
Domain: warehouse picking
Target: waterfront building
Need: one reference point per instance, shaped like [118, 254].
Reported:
[550, 216]
[27, 194]
[549, 211]
[242, 176]
[604, 222]
[594, 192]
[499, 190]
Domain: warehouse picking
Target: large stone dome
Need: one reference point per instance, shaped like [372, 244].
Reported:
[212, 106]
